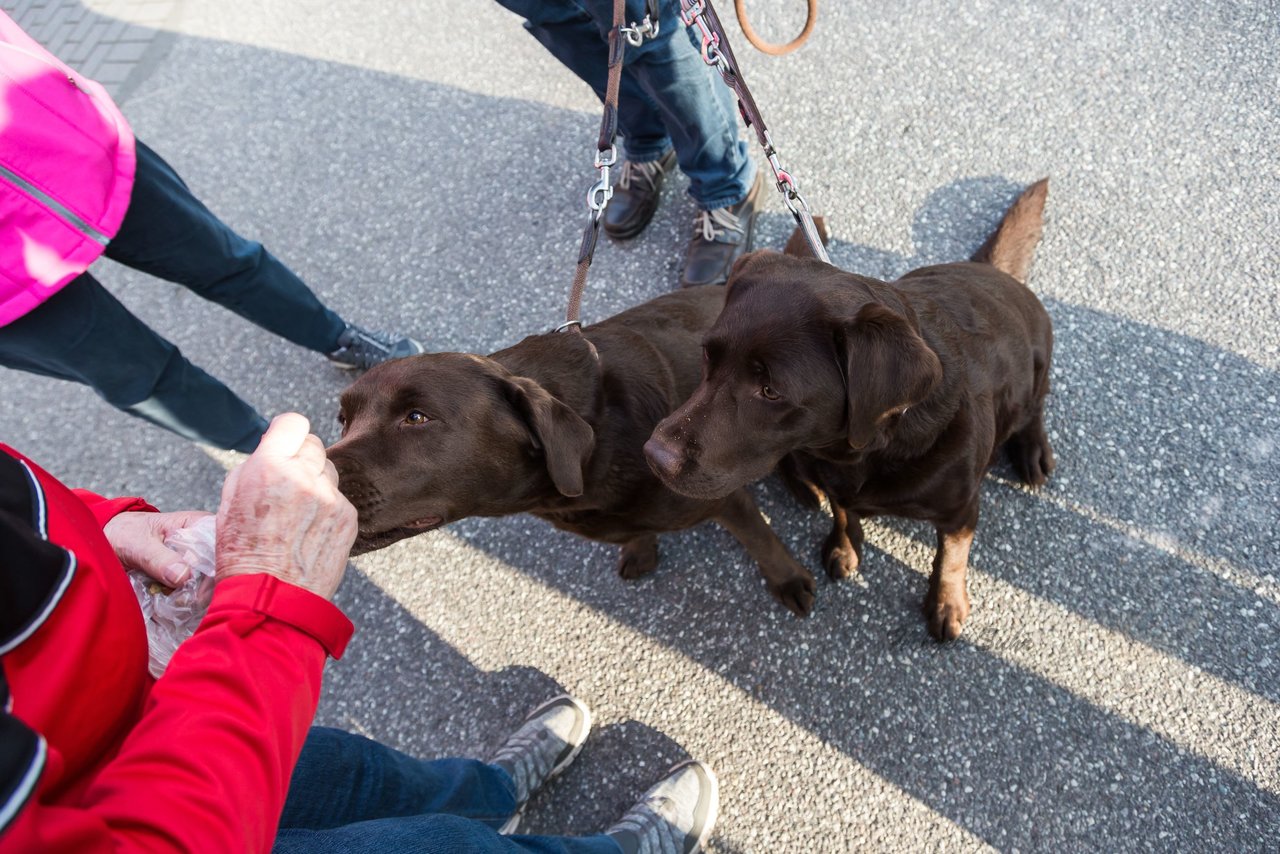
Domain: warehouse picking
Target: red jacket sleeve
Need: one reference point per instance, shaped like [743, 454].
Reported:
[207, 766]
[114, 761]
[223, 728]
[103, 509]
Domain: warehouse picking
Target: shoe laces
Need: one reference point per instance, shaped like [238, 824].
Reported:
[529, 757]
[646, 172]
[717, 223]
[655, 832]
[364, 340]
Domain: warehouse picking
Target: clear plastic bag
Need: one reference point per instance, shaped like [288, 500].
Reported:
[172, 616]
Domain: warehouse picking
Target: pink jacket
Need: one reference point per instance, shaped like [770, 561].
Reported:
[66, 172]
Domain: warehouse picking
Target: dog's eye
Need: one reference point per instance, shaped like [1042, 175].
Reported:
[342, 420]
[768, 392]
[416, 418]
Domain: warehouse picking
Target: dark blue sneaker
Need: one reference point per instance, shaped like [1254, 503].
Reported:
[364, 348]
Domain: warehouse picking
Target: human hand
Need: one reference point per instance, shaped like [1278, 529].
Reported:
[138, 540]
[282, 513]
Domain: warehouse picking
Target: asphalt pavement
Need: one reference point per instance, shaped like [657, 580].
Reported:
[423, 166]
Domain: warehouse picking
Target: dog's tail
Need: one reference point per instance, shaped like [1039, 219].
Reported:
[1012, 244]
[798, 246]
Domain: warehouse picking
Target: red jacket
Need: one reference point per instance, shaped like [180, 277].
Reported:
[108, 759]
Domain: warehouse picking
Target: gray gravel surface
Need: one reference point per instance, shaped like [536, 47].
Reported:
[1117, 687]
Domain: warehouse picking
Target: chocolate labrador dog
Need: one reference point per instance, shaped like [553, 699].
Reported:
[554, 426]
[889, 397]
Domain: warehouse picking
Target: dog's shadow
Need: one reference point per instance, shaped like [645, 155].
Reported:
[1195, 586]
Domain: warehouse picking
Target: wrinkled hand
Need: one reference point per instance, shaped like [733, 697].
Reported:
[282, 513]
[138, 539]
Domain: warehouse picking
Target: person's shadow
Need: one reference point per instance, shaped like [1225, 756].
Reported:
[1157, 533]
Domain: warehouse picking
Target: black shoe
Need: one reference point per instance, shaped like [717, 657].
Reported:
[635, 197]
[720, 237]
[363, 348]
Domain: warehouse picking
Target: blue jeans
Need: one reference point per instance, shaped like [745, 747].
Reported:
[349, 794]
[84, 334]
[668, 96]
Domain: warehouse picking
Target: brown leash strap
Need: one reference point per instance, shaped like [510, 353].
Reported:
[811, 18]
[606, 149]
[717, 52]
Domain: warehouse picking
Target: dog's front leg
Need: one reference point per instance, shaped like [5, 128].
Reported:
[788, 581]
[639, 557]
[946, 607]
[842, 551]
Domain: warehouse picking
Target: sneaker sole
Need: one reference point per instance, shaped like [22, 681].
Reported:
[514, 822]
[713, 802]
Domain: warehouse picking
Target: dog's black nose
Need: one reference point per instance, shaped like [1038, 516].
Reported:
[665, 462]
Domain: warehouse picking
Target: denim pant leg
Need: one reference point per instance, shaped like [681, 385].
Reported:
[572, 36]
[83, 334]
[351, 794]
[342, 778]
[167, 232]
[432, 834]
[664, 83]
[699, 111]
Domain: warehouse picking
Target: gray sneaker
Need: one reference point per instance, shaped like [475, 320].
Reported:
[544, 745]
[364, 348]
[675, 816]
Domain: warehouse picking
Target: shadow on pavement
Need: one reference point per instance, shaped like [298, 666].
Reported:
[1158, 476]
[1154, 527]
[465, 711]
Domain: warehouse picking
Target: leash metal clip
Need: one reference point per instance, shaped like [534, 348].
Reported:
[692, 13]
[602, 191]
[637, 33]
[690, 10]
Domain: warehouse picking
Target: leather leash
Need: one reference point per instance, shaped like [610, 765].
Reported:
[811, 18]
[716, 52]
[606, 148]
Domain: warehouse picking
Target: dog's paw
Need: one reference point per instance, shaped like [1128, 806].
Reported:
[840, 561]
[638, 558]
[1032, 457]
[945, 611]
[1035, 466]
[797, 593]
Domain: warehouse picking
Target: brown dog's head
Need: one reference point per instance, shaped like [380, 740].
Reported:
[803, 356]
[434, 438]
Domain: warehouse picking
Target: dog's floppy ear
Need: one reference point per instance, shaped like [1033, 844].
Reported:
[748, 260]
[564, 438]
[888, 368]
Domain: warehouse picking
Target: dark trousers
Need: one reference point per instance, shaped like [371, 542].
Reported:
[668, 97]
[352, 795]
[84, 334]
